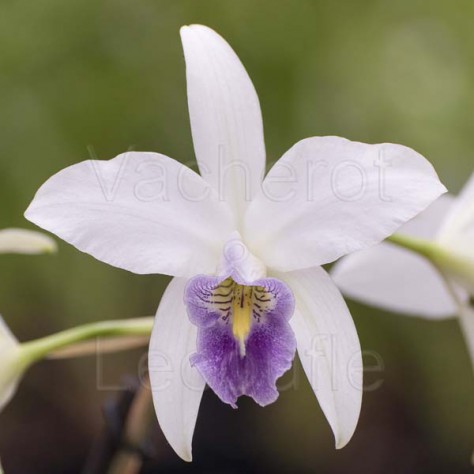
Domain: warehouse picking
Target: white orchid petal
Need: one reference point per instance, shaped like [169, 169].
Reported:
[396, 279]
[328, 347]
[25, 241]
[225, 114]
[11, 366]
[142, 212]
[327, 197]
[177, 387]
[457, 232]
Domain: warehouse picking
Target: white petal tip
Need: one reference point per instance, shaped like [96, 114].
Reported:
[341, 443]
[187, 456]
[442, 189]
[26, 242]
[188, 28]
[49, 246]
[195, 26]
[196, 30]
[342, 438]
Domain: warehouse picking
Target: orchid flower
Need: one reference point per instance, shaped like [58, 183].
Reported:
[25, 241]
[246, 253]
[426, 270]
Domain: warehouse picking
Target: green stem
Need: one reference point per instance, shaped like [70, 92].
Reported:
[40, 348]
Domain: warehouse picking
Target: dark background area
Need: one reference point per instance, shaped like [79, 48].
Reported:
[109, 75]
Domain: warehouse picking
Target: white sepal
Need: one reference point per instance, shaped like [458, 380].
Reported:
[226, 120]
[177, 387]
[328, 347]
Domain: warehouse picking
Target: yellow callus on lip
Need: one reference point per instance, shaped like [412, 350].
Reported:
[242, 305]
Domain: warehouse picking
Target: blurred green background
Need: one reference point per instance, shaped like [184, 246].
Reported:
[110, 75]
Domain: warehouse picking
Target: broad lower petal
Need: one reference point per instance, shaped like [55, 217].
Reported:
[225, 114]
[396, 279]
[328, 347]
[26, 242]
[328, 196]
[177, 387]
[142, 212]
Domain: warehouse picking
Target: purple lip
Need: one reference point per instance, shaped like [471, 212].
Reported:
[244, 341]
